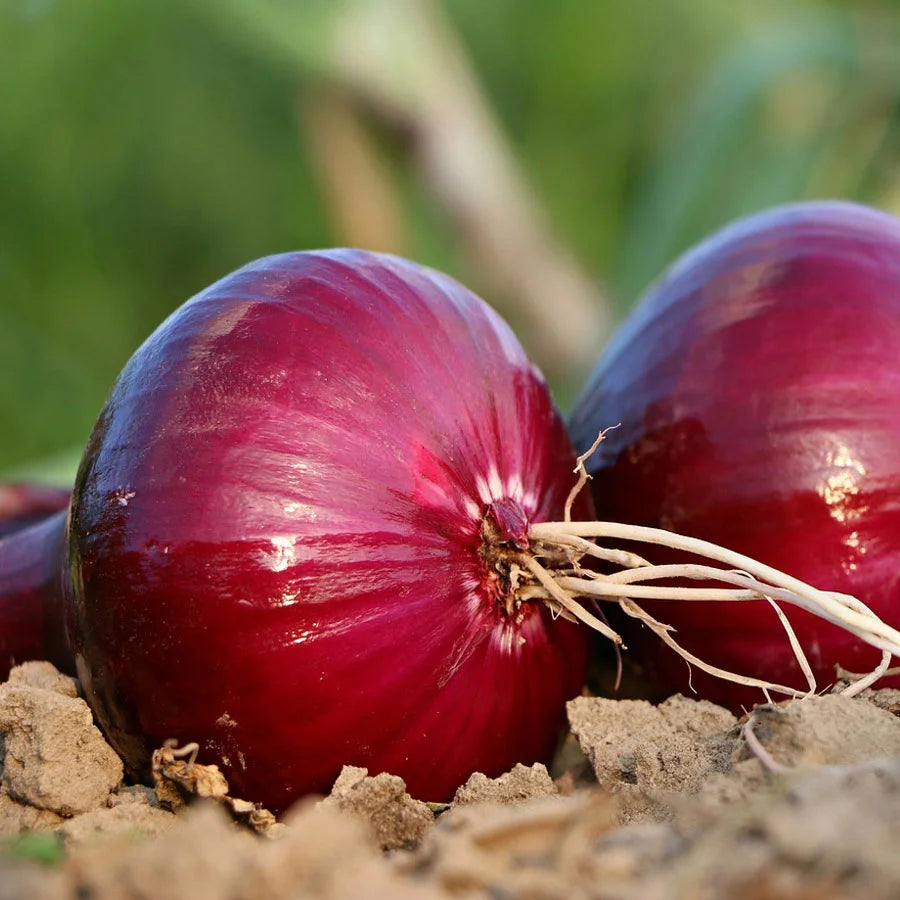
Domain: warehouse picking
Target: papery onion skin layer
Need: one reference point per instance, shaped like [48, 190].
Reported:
[757, 392]
[275, 536]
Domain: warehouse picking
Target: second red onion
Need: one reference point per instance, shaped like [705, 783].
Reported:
[757, 393]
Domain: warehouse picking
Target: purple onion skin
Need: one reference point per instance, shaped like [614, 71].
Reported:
[758, 390]
[32, 608]
[275, 543]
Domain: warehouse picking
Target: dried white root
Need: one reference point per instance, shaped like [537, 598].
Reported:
[768, 762]
[860, 682]
[841, 609]
[759, 579]
[749, 581]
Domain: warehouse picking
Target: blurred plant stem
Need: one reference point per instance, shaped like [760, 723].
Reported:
[362, 202]
[403, 59]
[146, 149]
[401, 63]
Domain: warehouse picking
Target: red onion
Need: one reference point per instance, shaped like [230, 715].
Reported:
[292, 534]
[25, 503]
[756, 390]
[29, 572]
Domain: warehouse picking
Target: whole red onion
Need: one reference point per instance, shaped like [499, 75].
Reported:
[290, 533]
[758, 390]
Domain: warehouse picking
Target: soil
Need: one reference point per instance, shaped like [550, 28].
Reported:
[679, 800]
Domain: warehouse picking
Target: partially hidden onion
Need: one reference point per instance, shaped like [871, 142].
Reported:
[290, 533]
[24, 503]
[755, 392]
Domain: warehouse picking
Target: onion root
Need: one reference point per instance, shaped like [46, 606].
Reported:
[565, 589]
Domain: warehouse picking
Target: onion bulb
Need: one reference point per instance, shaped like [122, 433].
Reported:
[755, 392]
[291, 532]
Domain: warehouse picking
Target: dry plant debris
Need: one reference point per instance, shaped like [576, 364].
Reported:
[179, 779]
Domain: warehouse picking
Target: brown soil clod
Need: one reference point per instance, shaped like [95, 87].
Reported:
[801, 799]
[395, 819]
[519, 784]
[54, 756]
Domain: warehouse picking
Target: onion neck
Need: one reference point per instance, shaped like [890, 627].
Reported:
[543, 562]
[506, 550]
[32, 611]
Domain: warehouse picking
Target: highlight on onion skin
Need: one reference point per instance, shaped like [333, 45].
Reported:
[292, 536]
[756, 394]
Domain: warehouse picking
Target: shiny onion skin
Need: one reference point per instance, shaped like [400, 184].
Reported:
[276, 541]
[758, 390]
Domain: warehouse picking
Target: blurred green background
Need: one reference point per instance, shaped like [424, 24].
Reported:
[554, 155]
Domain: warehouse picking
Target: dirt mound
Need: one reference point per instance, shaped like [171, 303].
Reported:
[677, 800]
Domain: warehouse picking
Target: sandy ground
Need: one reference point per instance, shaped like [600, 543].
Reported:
[680, 800]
